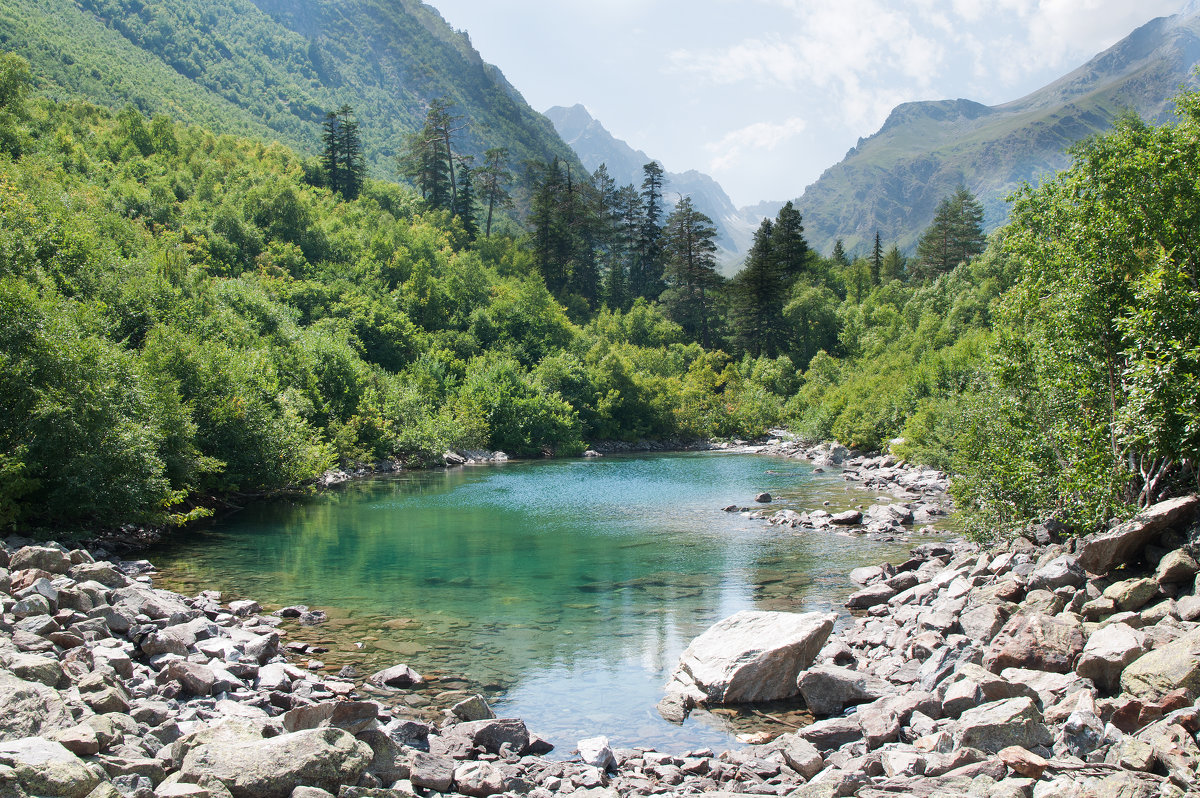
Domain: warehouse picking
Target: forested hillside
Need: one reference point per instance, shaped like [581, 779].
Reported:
[186, 315]
[273, 69]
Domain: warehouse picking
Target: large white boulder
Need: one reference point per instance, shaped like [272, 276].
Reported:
[751, 656]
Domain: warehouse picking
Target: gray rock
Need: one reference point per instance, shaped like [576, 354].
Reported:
[351, 716]
[1059, 572]
[828, 689]
[832, 733]
[473, 708]
[991, 727]
[870, 596]
[1176, 566]
[981, 624]
[196, 679]
[751, 656]
[973, 685]
[398, 676]
[101, 572]
[1108, 651]
[44, 558]
[1100, 553]
[432, 771]
[495, 734]
[1175, 665]
[29, 708]
[800, 755]
[479, 779]
[595, 751]
[1131, 594]
[273, 767]
[48, 769]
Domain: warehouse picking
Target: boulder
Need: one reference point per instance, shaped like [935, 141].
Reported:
[832, 733]
[751, 656]
[878, 593]
[828, 689]
[1175, 665]
[1060, 572]
[351, 716]
[595, 751]
[1023, 762]
[30, 708]
[848, 518]
[479, 779]
[1131, 594]
[155, 604]
[1035, 641]
[973, 685]
[473, 708]
[398, 676]
[432, 771]
[801, 755]
[495, 734]
[1100, 553]
[44, 558]
[1000, 724]
[981, 624]
[273, 767]
[196, 679]
[1108, 651]
[46, 768]
[1176, 566]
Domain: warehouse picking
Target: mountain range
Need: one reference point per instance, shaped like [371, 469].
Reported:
[271, 69]
[892, 181]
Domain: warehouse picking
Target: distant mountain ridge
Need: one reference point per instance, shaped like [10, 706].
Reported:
[595, 145]
[892, 181]
[271, 69]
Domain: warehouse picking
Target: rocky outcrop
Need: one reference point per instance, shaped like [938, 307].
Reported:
[751, 656]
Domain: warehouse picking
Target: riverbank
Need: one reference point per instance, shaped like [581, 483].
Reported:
[1069, 669]
[1030, 644]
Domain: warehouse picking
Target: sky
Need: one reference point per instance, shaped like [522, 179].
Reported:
[764, 95]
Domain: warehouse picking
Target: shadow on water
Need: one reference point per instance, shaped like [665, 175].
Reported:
[570, 587]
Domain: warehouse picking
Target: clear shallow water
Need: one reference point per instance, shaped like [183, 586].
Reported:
[567, 588]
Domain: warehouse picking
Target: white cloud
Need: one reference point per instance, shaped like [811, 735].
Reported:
[753, 138]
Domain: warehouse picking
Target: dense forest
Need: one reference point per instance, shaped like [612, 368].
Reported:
[187, 316]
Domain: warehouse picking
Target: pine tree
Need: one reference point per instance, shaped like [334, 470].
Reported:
[955, 235]
[342, 156]
[646, 280]
[788, 246]
[690, 259]
[464, 208]
[756, 299]
[838, 255]
[494, 180]
[428, 159]
[876, 259]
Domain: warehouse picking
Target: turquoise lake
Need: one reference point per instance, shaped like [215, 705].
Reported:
[566, 589]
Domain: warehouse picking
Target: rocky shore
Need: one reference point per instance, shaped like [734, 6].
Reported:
[1068, 669]
[1037, 670]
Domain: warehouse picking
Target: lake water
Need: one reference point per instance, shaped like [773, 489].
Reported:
[566, 589]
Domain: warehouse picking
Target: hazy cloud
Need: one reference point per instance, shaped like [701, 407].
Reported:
[753, 138]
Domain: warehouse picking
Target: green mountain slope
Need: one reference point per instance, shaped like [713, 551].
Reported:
[893, 181]
[272, 68]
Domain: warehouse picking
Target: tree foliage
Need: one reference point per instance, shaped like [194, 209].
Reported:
[1092, 388]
